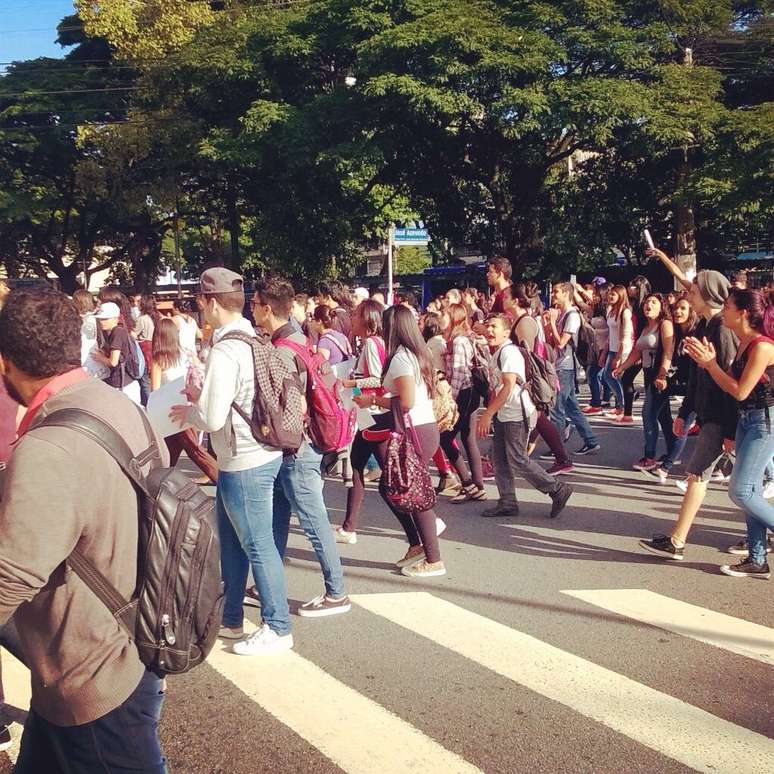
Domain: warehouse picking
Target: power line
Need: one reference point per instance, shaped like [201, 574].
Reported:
[4, 95]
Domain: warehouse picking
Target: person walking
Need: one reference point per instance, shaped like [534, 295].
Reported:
[653, 350]
[750, 381]
[598, 357]
[528, 333]
[638, 289]
[171, 362]
[620, 338]
[409, 381]
[145, 326]
[366, 378]
[299, 485]
[188, 328]
[714, 410]
[562, 324]
[331, 344]
[459, 365]
[117, 351]
[498, 276]
[93, 700]
[684, 322]
[247, 471]
[513, 416]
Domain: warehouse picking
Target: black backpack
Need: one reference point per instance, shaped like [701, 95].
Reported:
[175, 612]
[277, 419]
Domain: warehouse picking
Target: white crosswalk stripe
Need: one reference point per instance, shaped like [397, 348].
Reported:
[671, 727]
[723, 631]
[353, 731]
[336, 719]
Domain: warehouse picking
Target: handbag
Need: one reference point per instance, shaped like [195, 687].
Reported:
[405, 483]
[445, 408]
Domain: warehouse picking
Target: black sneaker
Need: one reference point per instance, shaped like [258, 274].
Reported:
[501, 512]
[747, 569]
[742, 549]
[662, 545]
[5, 737]
[588, 448]
[560, 498]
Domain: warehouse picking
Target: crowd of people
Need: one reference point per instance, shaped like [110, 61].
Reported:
[501, 370]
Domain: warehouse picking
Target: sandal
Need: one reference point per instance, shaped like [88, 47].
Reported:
[469, 492]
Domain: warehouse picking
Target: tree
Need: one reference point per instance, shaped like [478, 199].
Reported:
[67, 204]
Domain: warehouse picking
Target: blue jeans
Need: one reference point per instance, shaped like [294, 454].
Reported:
[754, 449]
[244, 503]
[594, 378]
[566, 407]
[299, 488]
[656, 410]
[614, 384]
[125, 741]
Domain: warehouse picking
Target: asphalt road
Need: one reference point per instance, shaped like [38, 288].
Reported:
[503, 665]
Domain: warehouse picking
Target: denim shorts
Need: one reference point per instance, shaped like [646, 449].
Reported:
[707, 451]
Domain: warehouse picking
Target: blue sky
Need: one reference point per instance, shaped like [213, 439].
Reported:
[42, 16]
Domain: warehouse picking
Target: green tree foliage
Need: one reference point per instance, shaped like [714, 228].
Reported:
[290, 133]
[411, 260]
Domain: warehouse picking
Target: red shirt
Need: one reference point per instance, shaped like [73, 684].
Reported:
[498, 305]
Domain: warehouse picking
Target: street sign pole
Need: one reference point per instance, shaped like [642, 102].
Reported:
[390, 248]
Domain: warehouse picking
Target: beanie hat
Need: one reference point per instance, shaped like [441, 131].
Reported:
[713, 287]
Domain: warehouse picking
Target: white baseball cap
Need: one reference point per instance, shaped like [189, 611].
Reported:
[107, 311]
[360, 293]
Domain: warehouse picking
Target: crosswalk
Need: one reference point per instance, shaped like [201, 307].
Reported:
[329, 714]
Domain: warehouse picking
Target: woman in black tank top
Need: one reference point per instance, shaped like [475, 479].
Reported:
[751, 318]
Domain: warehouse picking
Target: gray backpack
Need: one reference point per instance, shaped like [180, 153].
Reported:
[175, 612]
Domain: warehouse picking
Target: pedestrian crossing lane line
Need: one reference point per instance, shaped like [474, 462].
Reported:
[356, 733]
[667, 725]
[723, 631]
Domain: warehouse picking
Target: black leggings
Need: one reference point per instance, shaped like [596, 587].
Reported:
[467, 402]
[627, 382]
[419, 527]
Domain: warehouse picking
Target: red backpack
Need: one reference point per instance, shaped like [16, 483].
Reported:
[331, 426]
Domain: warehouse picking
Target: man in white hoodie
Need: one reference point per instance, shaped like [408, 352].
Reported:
[247, 471]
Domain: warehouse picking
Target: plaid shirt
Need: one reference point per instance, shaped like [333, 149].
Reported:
[458, 365]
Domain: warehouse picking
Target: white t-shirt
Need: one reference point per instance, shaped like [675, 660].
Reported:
[569, 322]
[405, 363]
[509, 360]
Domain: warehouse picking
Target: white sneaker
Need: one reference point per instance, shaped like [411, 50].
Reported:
[682, 484]
[342, 536]
[263, 642]
[768, 490]
[424, 569]
[440, 526]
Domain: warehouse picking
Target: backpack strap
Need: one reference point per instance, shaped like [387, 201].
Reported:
[381, 351]
[97, 430]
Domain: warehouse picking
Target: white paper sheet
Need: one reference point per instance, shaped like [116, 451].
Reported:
[159, 404]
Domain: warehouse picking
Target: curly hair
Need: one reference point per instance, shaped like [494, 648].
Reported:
[40, 332]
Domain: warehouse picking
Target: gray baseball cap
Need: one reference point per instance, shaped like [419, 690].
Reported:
[220, 280]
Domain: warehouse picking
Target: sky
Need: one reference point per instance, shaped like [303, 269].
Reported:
[38, 20]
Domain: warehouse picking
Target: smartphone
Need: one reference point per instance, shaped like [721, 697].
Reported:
[649, 240]
[356, 391]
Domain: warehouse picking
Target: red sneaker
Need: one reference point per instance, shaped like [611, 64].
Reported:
[589, 410]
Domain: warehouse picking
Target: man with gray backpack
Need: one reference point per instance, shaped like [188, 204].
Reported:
[69, 515]
[512, 414]
[248, 393]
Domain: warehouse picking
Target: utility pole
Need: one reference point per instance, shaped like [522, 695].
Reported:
[178, 256]
[685, 231]
[390, 255]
